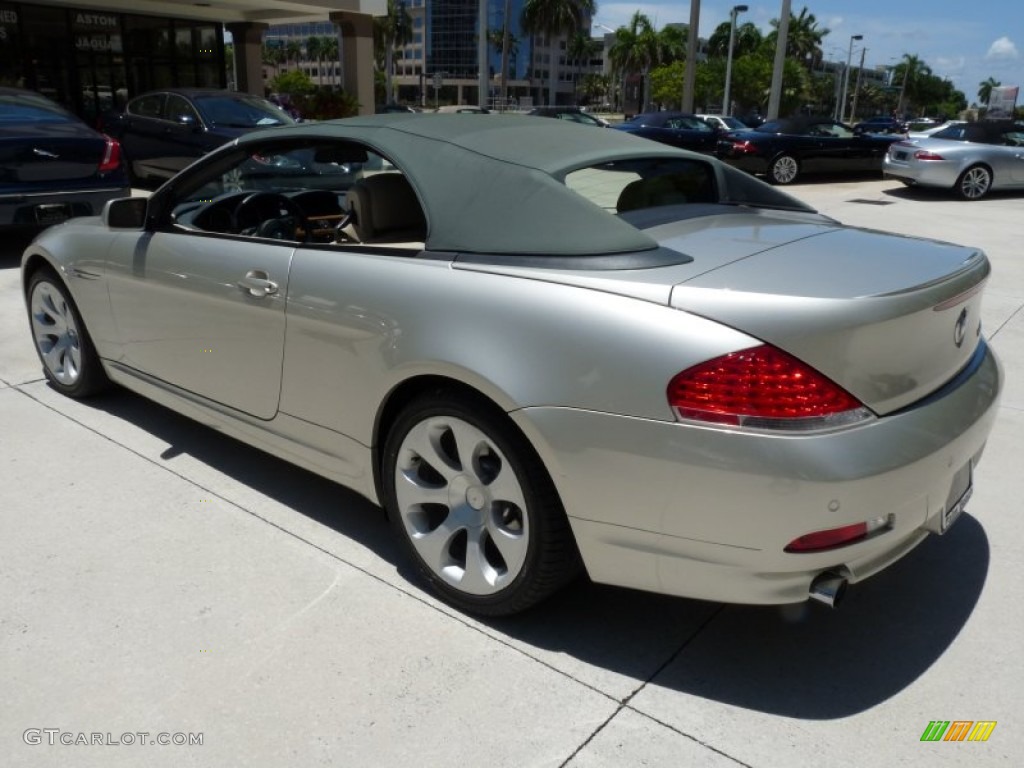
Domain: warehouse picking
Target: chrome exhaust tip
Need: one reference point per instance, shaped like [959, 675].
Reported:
[828, 588]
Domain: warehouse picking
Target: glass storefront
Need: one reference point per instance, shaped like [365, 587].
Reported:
[94, 61]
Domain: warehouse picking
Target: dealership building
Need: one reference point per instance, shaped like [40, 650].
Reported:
[92, 57]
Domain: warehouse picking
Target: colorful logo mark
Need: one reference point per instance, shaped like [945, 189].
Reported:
[958, 730]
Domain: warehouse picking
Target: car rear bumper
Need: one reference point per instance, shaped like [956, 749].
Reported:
[707, 513]
[35, 210]
[931, 173]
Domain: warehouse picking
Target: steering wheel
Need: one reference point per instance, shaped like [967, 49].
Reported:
[271, 215]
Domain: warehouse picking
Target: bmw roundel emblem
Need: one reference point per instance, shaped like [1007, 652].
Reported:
[960, 329]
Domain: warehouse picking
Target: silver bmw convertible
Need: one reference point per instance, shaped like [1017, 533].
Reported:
[545, 351]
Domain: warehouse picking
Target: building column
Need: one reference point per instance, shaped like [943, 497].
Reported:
[356, 52]
[248, 41]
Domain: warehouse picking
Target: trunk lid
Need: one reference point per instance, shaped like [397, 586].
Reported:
[48, 152]
[889, 318]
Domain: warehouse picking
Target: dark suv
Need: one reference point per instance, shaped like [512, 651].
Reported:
[880, 124]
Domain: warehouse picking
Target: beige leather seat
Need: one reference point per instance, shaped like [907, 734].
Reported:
[385, 209]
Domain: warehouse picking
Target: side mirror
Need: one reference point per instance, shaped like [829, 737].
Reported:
[125, 213]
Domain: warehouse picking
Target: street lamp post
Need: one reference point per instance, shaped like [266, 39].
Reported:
[727, 101]
[846, 77]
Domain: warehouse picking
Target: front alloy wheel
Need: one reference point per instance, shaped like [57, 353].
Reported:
[69, 360]
[974, 183]
[475, 507]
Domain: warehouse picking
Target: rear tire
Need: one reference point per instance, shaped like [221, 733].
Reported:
[974, 183]
[474, 506]
[783, 170]
[69, 359]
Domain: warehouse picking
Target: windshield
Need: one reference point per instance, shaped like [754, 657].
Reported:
[240, 112]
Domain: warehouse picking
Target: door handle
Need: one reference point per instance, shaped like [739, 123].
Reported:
[258, 284]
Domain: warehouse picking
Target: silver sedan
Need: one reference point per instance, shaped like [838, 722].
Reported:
[544, 350]
[969, 158]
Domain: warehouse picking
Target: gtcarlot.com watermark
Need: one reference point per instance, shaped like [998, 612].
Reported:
[57, 736]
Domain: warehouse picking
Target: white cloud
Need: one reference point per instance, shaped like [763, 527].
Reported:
[1003, 48]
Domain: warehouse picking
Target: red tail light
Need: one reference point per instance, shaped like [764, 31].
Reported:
[111, 156]
[834, 537]
[762, 387]
[839, 537]
[924, 154]
[743, 147]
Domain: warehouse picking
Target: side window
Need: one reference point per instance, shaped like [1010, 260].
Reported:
[331, 192]
[178, 110]
[147, 106]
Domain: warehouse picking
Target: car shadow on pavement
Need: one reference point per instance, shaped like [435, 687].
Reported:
[803, 661]
[315, 497]
[13, 245]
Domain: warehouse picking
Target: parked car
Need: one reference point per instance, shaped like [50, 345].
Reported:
[52, 165]
[462, 109]
[880, 124]
[383, 109]
[971, 159]
[161, 132]
[677, 129]
[623, 358]
[724, 122]
[571, 114]
[926, 132]
[784, 150]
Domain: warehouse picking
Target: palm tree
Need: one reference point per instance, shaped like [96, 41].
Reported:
[392, 31]
[579, 49]
[634, 49]
[748, 39]
[803, 42]
[914, 71]
[315, 52]
[552, 19]
[671, 44]
[293, 51]
[330, 53]
[985, 90]
[273, 55]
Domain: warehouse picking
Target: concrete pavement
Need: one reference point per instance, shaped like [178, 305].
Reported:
[159, 578]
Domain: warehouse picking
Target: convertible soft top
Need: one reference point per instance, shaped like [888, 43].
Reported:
[494, 183]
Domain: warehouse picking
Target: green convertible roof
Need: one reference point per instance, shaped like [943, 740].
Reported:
[494, 183]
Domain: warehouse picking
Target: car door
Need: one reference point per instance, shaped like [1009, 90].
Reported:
[183, 135]
[826, 148]
[691, 133]
[203, 311]
[1011, 155]
[140, 129]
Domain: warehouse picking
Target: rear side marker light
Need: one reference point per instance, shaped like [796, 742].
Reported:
[832, 538]
[744, 147]
[111, 156]
[762, 388]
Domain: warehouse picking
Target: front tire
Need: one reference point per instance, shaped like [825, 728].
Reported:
[783, 170]
[69, 359]
[474, 506]
[974, 183]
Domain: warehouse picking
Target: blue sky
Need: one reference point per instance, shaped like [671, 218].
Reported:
[965, 42]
